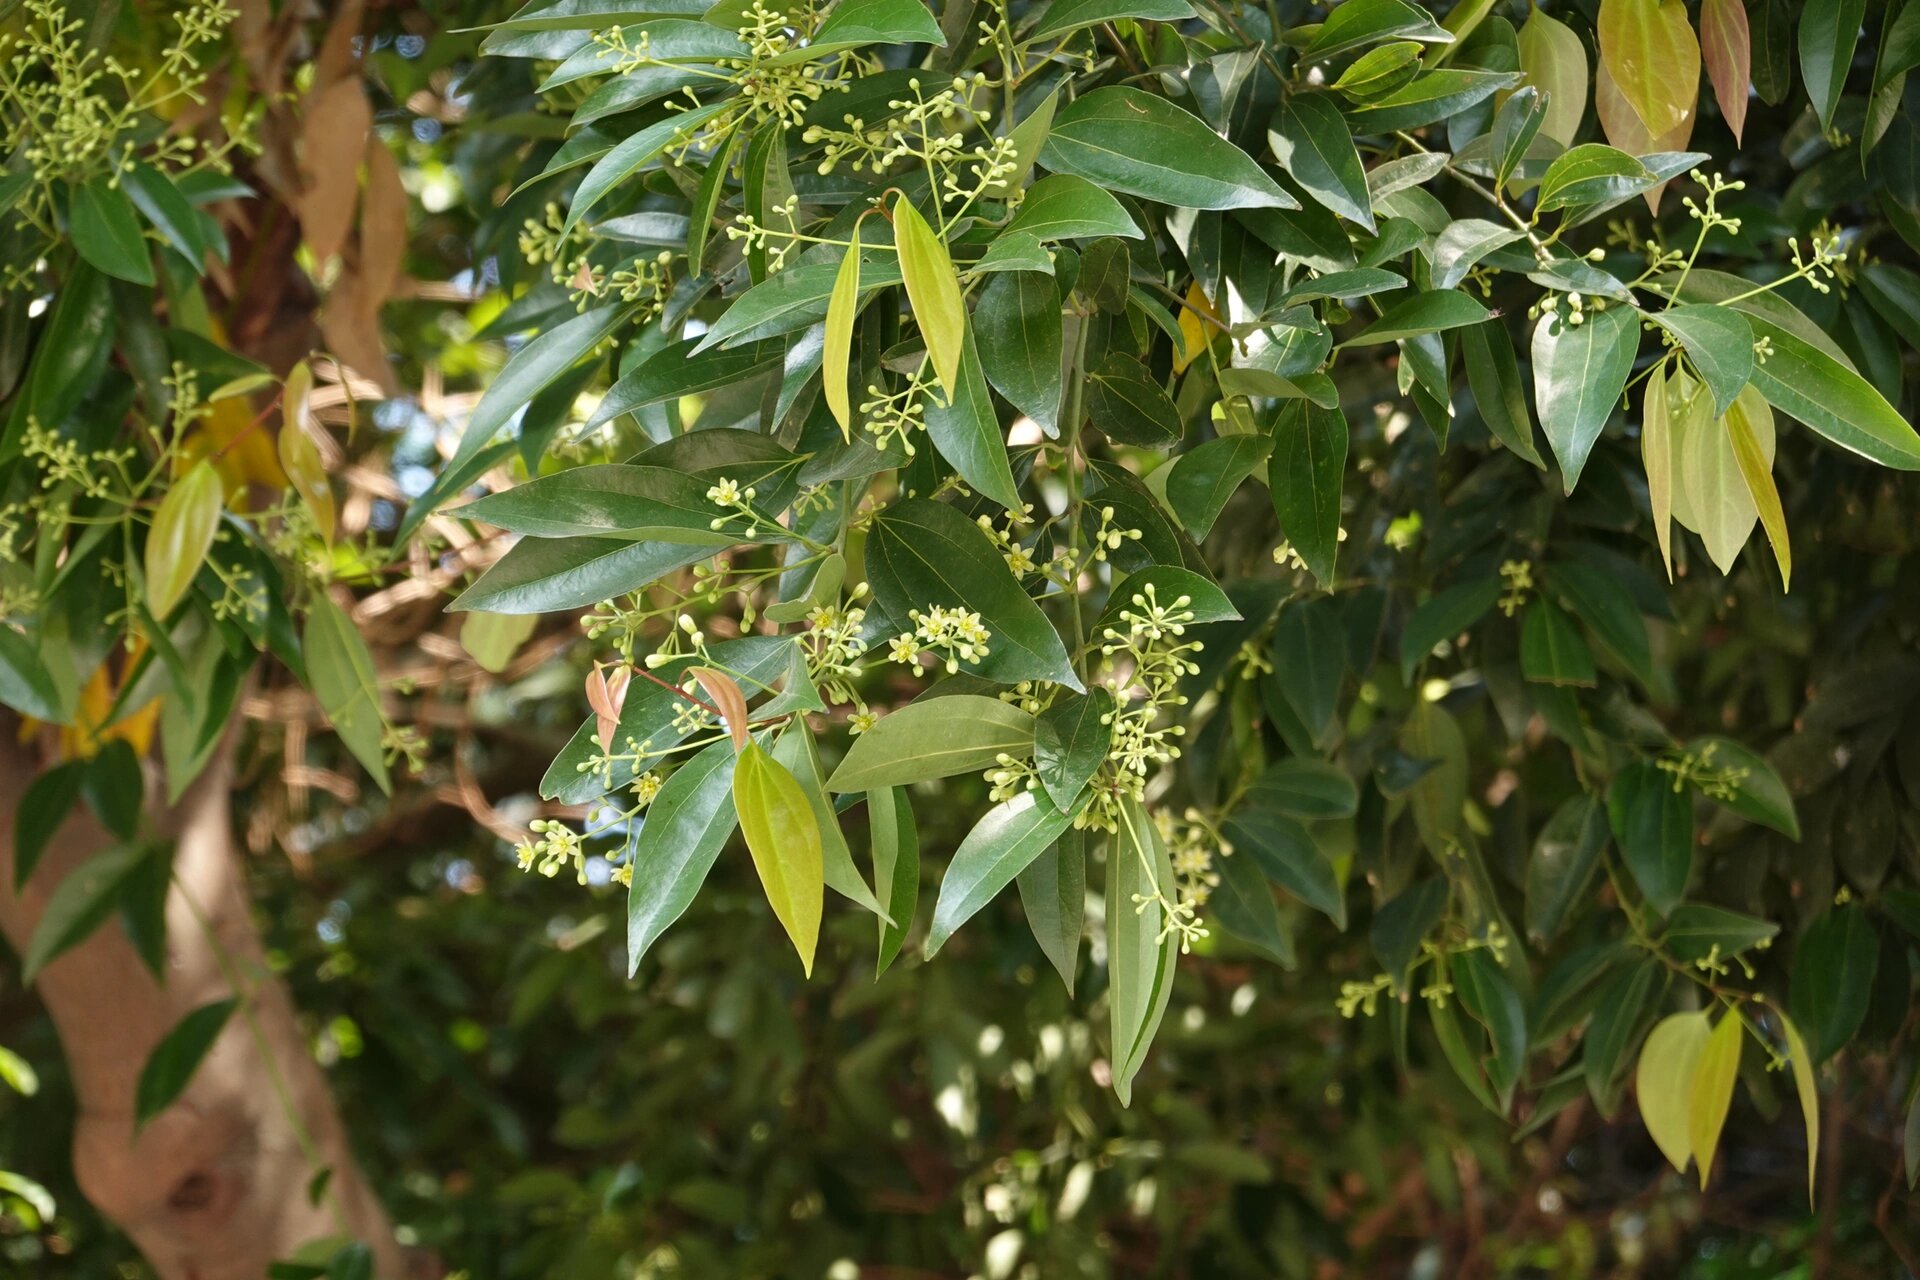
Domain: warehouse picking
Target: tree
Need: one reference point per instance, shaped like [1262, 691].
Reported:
[1094, 447]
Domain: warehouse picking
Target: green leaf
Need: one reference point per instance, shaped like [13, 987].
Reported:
[935, 737]
[1462, 245]
[676, 370]
[933, 290]
[1053, 892]
[861, 22]
[1288, 855]
[1617, 1012]
[615, 500]
[1487, 995]
[1833, 967]
[796, 751]
[1552, 650]
[1829, 32]
[676, 845]
[794, 299]
[633, 153]
[1244, 906]
[1070, 741]
[170, 1067]
[1566, 856]
[836, 361]
[170, 213]
[1440, 793]
[1310, 138]
[1555, 62]
[1653, 825]
[1379, 72]
[181, 535]
[966, 431]
[1305, 788]
[1429, 312]
[1063, 207]
[106, 232]
[530, 371]
[1128, 140]
[1581, 370]
[1140, 961]
[1310, 664]
[44, 807]
[1402, 924]
[1803, 1084]
[896, 867]
[1711, 1093]
[1719, 342]
[1697, 930]
[1599, 599]
[1434, 96]
[1459, 1054]
[784, 838]
[1363, 22]
[1014, 251]
[1305, 474]
[78, 905]
[17, 1073]
[1589, 174]
[1202, 480]
[1003, 842]
[546, 575]
[341, 674]
[1443, 616]
[1515, 126]
[1759, 793]
[1063, 16]
[1017, 335]
[1128, 406]
[1663, 1081]
[1799, 379]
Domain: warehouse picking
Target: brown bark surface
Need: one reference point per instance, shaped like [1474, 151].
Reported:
[215, 1187]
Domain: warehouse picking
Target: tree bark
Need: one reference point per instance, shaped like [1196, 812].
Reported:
[216, 1186]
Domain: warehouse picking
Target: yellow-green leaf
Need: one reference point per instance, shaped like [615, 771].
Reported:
[1663, 1082]
[300, 457]
[1801, 1063]
[1555, 62]
[1711, 1093]
[1656, 452]
[1749, 425]
[784, 838]
[182, 532]
[934, 291]
[1649, 49]
[841, 306]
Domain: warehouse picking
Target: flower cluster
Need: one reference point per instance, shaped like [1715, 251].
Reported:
[1142, 667]
[950, 635]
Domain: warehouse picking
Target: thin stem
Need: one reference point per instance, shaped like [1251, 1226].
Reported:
[1074, 411]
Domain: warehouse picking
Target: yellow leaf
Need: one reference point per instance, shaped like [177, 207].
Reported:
[1649, 50]
[1663, 1081]
[783, 836]
[1627, 131]
[841, 306]
[182, 532]
[300, 457]
[1656, 453]
[1197, 327]
[934, 292]
[1711, 1093]
[1749, 425]
[1802, 1064]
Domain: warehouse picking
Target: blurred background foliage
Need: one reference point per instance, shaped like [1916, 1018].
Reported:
[525, 1111]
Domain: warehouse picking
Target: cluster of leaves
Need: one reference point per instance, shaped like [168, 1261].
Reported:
[1130, 257]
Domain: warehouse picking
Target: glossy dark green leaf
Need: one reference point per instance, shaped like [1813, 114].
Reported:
[1243, 905]
[1063, 207]
[796, 751]
[532, 369]
[1287, 853]
[1618, 1016]
[1443, 616]
[1305, 788]
[1590, 174]
[163, 206]
[1305, 473]
[1205, 477]
[1363, 22]
[1128, 140]
[676, 845]
[1580, 371]
[1171, 584]
[78, 905]
[1515, 126]
[1759, 793]
[1070, 741]
[615, 500]
[1829, 33]
[1017, 335]
[1311, 140]
[791, 300]
[1001, 845]
[1833, 966]
[1552, 650]
[1128, 406]
[862, 22]
[923, 553]
[545, 575]
[1053, 892]
[896, 867]
[1601, 601]
[170, 1067]
[635, 152]
[1432, 97]
[1718, 342]
[1402, 924]
[934, 737]
[1063, 16]
[675, 371]
[1309, 653]
[1799, 379]
[967, 432]
[1699, 930]
[25, 683]
[1462, 245]
[44, 807]
[1653, 826]
[106, 232]
[1487, 995]
[1565, 858]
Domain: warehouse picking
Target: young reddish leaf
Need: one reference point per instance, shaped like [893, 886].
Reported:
[1648, 48]
[605, 695]
[1726, 45]
[727, 697]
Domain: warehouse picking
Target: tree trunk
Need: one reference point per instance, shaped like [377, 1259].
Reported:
[216, 1186]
